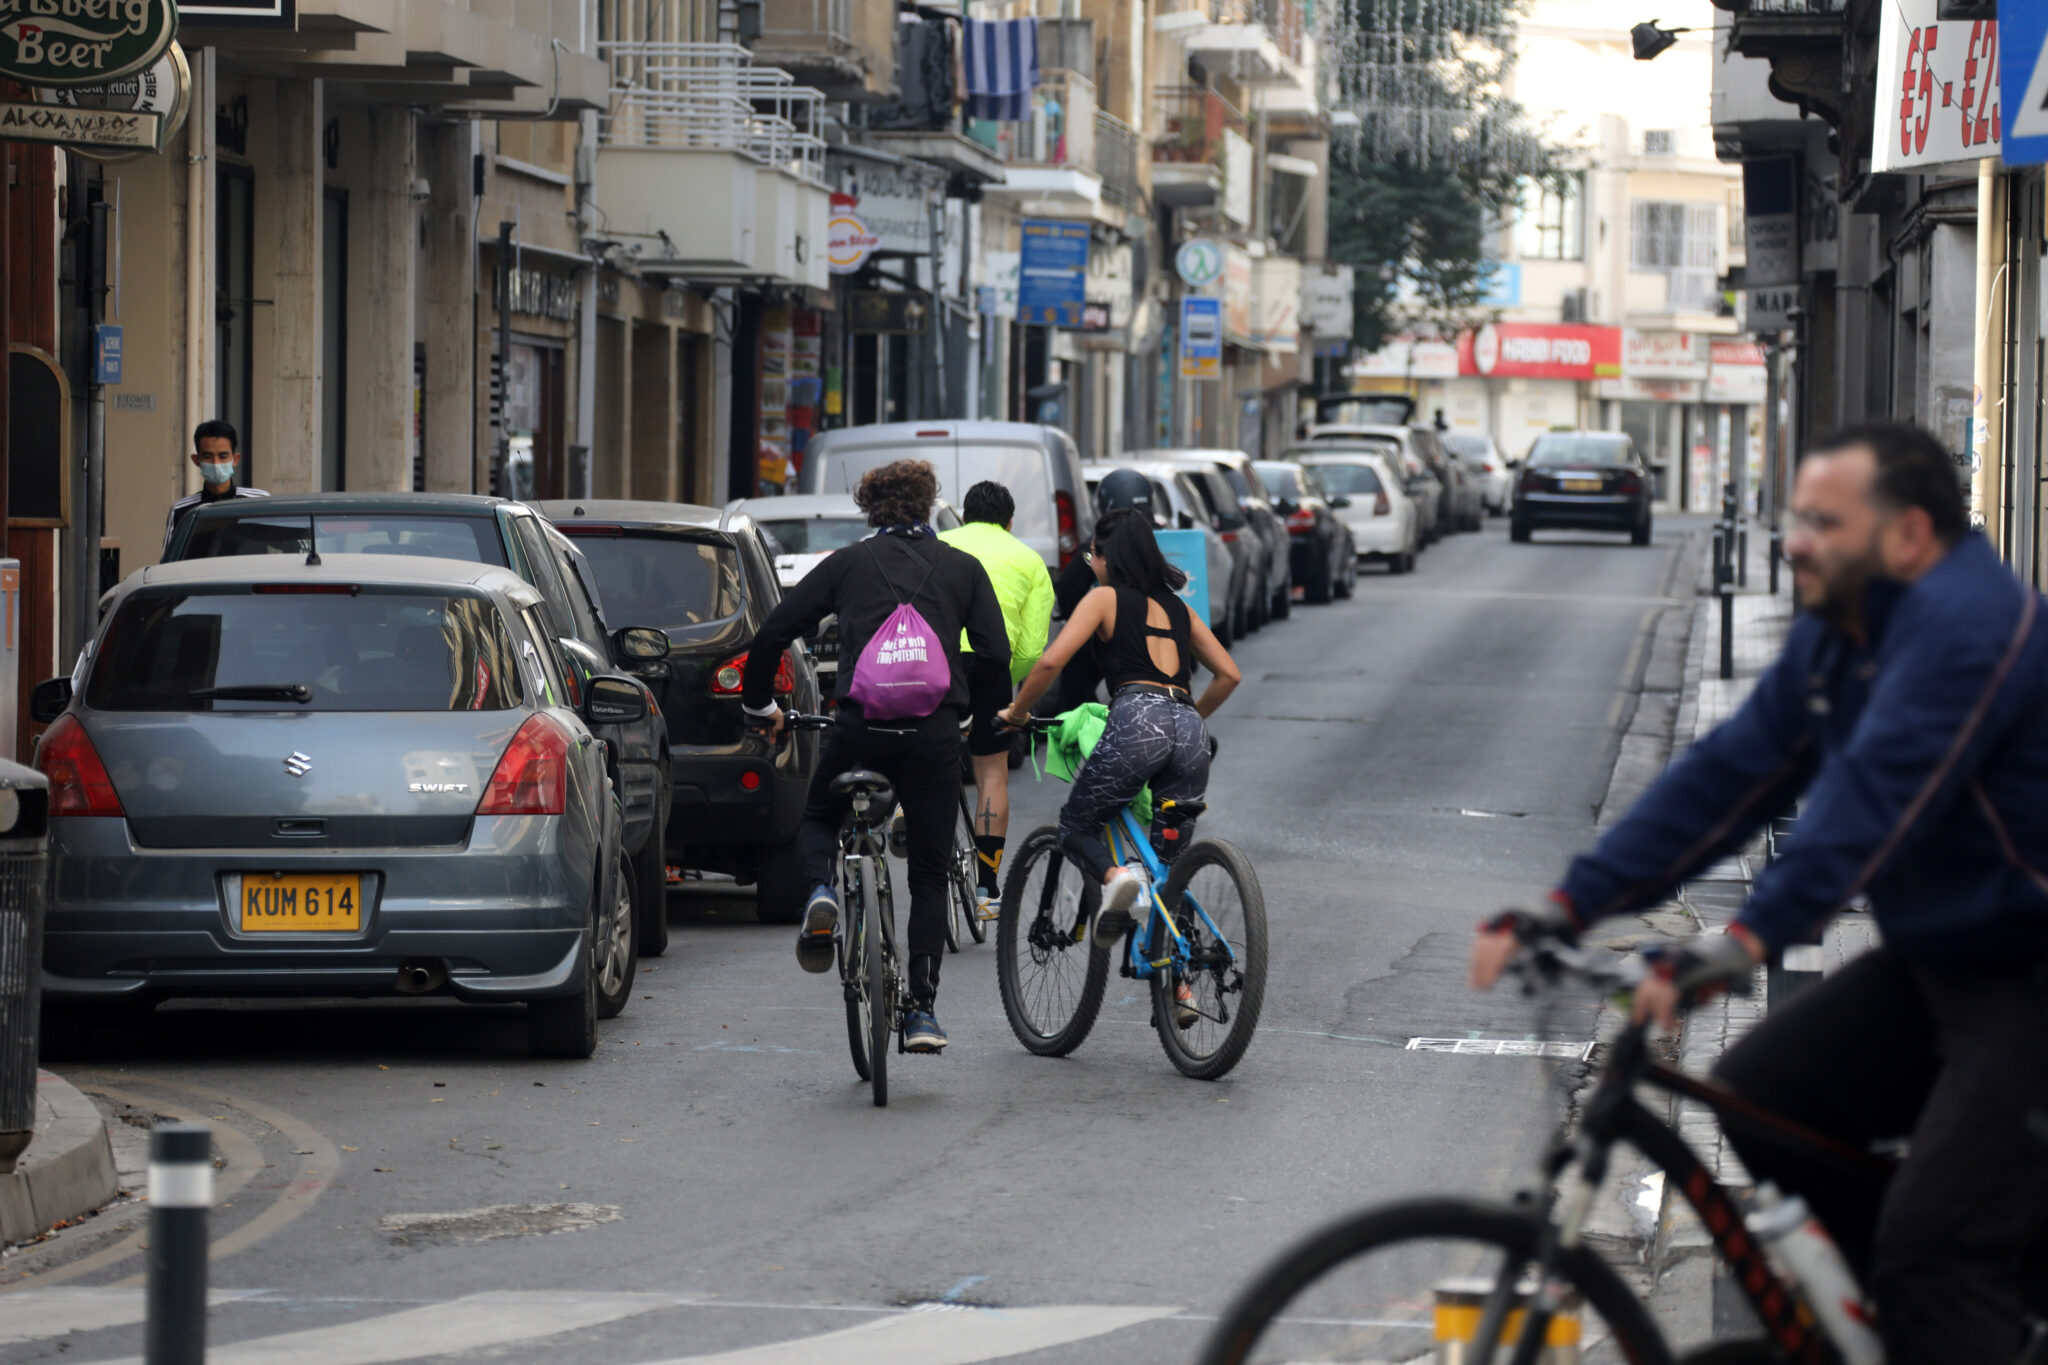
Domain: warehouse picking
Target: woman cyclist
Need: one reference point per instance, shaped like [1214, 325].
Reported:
[1148, 641]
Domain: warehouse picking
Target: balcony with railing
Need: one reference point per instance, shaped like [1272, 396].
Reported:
[1050, 156]
[1188, 157]
[1262, 43]
[719, 160]
[845, 48]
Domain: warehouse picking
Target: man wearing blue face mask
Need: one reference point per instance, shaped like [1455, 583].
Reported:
[214, 451]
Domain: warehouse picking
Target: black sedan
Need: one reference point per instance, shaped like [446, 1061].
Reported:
[708, 578]
[1591, 480]
[1325, 561]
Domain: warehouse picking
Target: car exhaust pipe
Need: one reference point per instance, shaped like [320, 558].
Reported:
[419, 975]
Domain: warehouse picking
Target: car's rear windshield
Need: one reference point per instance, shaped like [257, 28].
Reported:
[816, 535]
[373, 649]
[1557, 450]
[1468, 445]
[1348, 479]
[1282, 481]
[1239, 484]
[474, 539]
[664, 580]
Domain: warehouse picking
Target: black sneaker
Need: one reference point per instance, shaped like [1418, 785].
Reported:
[821, 921]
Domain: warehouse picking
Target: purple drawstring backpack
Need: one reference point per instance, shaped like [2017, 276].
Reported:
[902, 673]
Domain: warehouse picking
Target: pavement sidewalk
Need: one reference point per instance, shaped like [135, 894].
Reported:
[68, 1169]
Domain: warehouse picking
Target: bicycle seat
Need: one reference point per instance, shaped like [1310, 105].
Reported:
[858, 781]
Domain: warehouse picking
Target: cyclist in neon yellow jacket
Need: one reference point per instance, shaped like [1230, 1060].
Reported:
[1024, 588]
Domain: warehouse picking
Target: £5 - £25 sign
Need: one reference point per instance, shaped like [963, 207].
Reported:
[1937, 89]
[82, 42]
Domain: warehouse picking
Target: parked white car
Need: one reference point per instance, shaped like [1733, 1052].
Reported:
[1384, 521]
[1482, 455]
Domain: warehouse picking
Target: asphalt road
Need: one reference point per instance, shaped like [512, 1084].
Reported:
[716, 1178]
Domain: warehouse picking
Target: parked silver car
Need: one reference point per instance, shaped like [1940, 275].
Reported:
[363, 775]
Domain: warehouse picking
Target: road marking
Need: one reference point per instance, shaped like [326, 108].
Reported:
[466, 1324]
[1490, 595]
[33, 1314]
[1503, 1047]
[960, 1336]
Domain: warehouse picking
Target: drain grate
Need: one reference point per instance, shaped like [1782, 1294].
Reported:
[1503, 1047]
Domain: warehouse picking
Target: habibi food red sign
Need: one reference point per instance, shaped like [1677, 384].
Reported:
[1541, 350]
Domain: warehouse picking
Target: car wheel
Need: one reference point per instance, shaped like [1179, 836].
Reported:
[1347, 576]
[1318, 588]
[650, 882]
[618, 945]
[1240, 618]
[1283, 601]
[1518, 531]
[780, 887]
[565, 1026]
[1641, 534]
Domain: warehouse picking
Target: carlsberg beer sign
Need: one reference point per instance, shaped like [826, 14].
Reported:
[82, 42]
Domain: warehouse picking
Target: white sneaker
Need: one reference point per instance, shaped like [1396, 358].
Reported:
[1119, 894]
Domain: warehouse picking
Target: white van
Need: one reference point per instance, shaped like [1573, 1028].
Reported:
[1040, 465]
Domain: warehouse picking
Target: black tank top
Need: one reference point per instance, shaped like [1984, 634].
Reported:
[1125, 659]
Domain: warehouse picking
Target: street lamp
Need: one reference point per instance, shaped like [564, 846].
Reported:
[1650, 40]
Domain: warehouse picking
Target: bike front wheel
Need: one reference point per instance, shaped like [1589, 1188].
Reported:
[1398, 1281]
[1051, 974]
[1206, 1032]
[853, 973]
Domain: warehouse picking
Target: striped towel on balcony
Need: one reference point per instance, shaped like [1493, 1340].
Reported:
[1002, 68]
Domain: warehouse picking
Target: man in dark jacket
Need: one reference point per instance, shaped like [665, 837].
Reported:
[1906, 713]
[864, 584]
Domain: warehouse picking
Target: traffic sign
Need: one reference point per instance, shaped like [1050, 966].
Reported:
[1052, 277]
[1198, 262]
[1201, 338]
[2023, 33]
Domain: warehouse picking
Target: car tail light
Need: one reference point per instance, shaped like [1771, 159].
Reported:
[1380, 505]
[1532, 481]
[1229, 537]
[1070, 539]
[730, 677]
[1301, 520]
[79, 784]
[750, 781]
[1628, 483]
[532, 776]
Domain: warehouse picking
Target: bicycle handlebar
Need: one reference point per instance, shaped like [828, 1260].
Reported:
[1548, 959]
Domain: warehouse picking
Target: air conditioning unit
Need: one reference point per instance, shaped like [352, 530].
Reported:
[1660, 142]
[1574, 307]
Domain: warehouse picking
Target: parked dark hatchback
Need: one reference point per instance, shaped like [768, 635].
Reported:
[499, 531]
[1589, 479]
[1325, 556]
[707, 577]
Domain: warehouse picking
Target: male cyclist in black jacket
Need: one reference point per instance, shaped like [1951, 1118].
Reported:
[863, 584]
[1907, 715]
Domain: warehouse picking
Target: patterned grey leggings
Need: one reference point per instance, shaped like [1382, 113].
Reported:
[1151, 738]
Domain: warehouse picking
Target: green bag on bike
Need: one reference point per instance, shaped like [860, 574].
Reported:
[1068, 747]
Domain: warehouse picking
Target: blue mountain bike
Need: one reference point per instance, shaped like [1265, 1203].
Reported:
[1205, 932]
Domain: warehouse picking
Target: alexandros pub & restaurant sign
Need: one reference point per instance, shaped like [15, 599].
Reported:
[82, 42]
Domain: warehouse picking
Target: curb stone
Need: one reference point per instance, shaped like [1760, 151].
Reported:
[67, 1170]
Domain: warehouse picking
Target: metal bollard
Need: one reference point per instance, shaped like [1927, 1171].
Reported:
[1727, 628]
[180, 1193]
[1742, 557]
[1720, 554]
[1777, 554]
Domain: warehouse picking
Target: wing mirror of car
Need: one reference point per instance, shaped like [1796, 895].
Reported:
[643, 642]
[1339, 501]
[609, 699]
[1187, 521]
[50, 699]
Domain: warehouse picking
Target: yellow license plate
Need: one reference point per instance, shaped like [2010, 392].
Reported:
[300, 904]
[1579, 485]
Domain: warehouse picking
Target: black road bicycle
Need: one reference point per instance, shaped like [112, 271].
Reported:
[1510, 1283]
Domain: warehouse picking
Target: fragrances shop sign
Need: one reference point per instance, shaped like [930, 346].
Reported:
[82, 42]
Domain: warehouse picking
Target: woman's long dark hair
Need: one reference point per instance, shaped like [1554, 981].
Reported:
[1124, 540]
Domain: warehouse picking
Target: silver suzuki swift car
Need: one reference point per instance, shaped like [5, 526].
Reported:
[350, 777]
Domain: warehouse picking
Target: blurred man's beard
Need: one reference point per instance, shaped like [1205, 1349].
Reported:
[1840, 600]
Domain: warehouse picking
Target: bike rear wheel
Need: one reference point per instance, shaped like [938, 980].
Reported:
[1367, 1287]
[1051, 974]
[1227, 989]
[853, 974]
[881, 991]
[962, 874]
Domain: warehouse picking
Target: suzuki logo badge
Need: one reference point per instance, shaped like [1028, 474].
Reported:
[298, 764]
